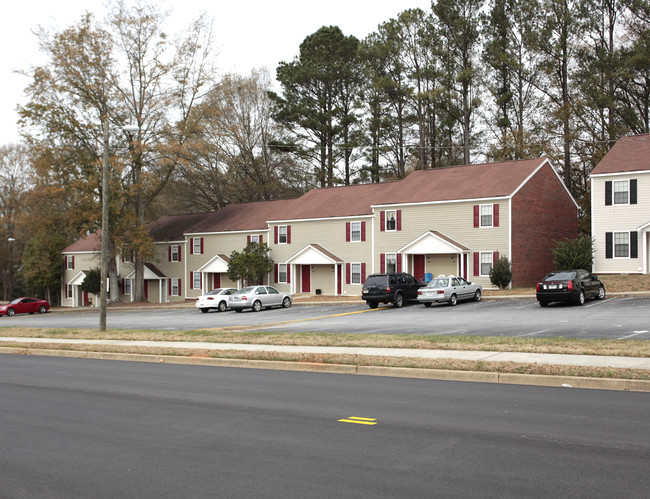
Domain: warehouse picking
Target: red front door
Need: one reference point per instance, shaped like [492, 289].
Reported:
[418, 267]
[305, 278]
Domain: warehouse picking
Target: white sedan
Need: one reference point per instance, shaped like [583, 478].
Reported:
[217, 299]
[449, 289]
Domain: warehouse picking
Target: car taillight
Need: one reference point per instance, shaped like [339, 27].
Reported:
[244, 297]
[210, 298]
[570, 285]
[387, 289]
[441, 291]
[419, 291]
[538, 286]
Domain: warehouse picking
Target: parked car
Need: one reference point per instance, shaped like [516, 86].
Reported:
[569, 285]
[25, 305]
[258, 297]
[215, 299]
[395, 288]
[449, 289]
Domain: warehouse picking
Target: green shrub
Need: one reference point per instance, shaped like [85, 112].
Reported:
[574, 254]
[501, 273]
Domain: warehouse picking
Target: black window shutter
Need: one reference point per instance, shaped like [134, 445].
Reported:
[609, 243]
[634, 245]
[633, 191]
[608, 193]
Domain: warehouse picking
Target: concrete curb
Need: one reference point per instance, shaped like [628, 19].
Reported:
[402, 372]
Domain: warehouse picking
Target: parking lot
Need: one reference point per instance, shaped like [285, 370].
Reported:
[612, 318]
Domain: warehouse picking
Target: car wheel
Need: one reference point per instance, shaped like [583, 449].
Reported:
[372, 304]
[427, 304]
[453, 299]
[222, 306]
[286, 303]
[205, 310]
[257, 306]
[398, 302]
[11, 312]
[42, 309]
[478, 295]
[601, 293]
[543, 304]
[581, 298]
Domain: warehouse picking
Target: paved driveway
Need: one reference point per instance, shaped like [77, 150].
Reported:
[612, 318]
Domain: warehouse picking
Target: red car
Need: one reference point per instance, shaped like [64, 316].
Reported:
[25, 305]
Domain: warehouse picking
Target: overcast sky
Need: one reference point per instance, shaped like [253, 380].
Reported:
[248, 33]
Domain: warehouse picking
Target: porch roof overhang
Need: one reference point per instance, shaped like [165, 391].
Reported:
[314, 254]
[218, 264]
[643, 227]
[433, 242]
[151, 272]
[78, 279]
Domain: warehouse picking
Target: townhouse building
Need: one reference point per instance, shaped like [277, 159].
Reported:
[455, 220]
[620, 208]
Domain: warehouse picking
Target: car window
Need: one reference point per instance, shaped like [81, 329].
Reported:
[272, 291]
[246, 290]
[455, 282]
[560, 276]
[438, 283]
[230, 291]
[375, 280]
[462, 281]
[260, 291]
[391, 279]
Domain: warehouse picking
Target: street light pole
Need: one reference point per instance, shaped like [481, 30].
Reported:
[104, 262]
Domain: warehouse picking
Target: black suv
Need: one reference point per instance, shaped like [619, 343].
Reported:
[395, 288]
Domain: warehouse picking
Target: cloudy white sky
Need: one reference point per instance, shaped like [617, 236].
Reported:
[248, 33]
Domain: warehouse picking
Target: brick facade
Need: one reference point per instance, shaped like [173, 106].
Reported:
[542, 212]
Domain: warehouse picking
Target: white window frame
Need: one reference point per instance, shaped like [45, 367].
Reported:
[282, 234]
[176, 253]
[620, 183]
[127, 286]
[69, 259]
[255, 238]
[483, 261]
[486, 210]
[393, 219]
[393, 257]
[626, 244]
[355, 232]
[282, 273]
[196, 245]
[177, 285]
[69, 291]
[355, 273]
[196, 279]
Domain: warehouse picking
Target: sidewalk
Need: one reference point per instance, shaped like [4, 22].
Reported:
[526, 358]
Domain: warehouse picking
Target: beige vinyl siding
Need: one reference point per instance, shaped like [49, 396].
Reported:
[213, 245]
[619, 218]
[454, 220]
[171, 270]
[331, 235]
[82, 261]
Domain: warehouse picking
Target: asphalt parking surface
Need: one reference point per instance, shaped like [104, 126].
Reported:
[613, 318]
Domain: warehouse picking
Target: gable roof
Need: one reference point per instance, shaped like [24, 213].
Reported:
[458, 183]
[172, 227]
[242, 216]
[92, 242]
[629, 154]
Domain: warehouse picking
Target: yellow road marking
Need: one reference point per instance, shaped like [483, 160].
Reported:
[356, 420]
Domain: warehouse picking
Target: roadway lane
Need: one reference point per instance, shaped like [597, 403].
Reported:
[87, 428]
[612, 318]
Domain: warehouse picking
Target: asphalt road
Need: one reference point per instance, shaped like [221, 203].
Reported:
[88, 428]
[612, 318]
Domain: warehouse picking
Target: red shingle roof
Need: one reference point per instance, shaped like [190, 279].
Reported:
[243, 216]
[172, 227]
[91, 242]
[629, 154]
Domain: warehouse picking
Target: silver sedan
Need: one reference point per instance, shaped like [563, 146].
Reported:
[258, 297]
[449, 289]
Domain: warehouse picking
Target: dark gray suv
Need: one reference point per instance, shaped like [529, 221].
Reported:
[395, 288]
